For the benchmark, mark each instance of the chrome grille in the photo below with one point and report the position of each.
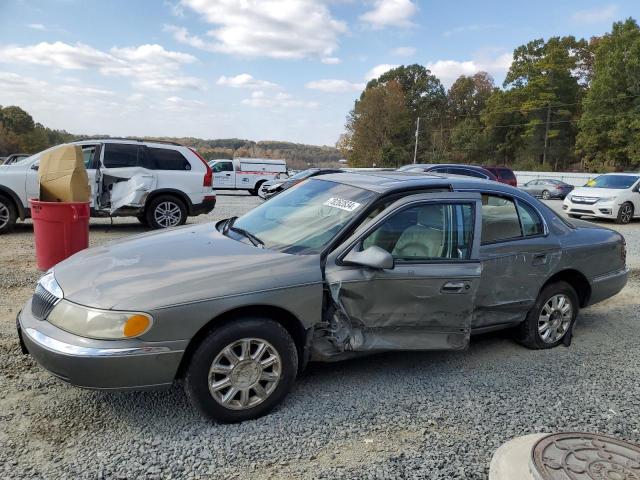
(584, 200)
(42, 303)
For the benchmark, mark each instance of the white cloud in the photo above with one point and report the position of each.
(244, 80)
(469, 28)
(449, 70)
(260, 99)
(403, 51)
(604, 14)
(331, 60)
(182, 35)
(149, 66)
(387, 13)
(378, 70)
(265, 28)
(36, 26)
(335, 86)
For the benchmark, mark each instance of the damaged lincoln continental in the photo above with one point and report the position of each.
(341, 265)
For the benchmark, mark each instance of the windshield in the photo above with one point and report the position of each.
(305, 218)
(619, 182)
(303, 174)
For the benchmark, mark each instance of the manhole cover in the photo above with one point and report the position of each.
(578, 456)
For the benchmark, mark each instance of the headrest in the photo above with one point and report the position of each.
(431, 216)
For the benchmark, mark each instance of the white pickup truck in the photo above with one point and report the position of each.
(246, 173)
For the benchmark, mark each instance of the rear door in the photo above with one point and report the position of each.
(426, 300)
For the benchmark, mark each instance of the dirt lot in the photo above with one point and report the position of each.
(413, 415)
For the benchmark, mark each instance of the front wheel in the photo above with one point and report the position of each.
(166, 211)
(241, 370)
(625, 213)
(551, 317)
(8, 215)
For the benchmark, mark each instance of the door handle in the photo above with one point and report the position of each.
(453, 287)
(227, 174)
(540, 259)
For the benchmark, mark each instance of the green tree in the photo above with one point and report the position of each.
(16, 120)
(378, 128)
(469, 94)
(609, 130)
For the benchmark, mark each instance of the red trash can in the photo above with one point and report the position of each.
(60, 230)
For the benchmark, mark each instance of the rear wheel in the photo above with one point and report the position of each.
(241, 370)
(551, 317)
(8, 214)
(166, 211)
(546, 195)
(625, 213)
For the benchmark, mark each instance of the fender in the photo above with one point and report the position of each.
(171, 191)
(22, 211)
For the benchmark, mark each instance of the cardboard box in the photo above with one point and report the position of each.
(63, 176)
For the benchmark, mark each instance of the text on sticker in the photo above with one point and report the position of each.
(342, 204)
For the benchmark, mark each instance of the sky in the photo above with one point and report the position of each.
(285, 70)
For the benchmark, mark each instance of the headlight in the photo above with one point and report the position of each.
(99, 324)
(605, 199)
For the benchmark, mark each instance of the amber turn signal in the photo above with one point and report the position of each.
(136, 325)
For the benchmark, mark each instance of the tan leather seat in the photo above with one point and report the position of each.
(426, 239)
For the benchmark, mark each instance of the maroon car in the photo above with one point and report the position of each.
(504, 175)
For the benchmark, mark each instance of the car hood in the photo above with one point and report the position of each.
(178, 266)
(595, 192)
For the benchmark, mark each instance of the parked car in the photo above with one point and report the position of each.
(13, 158)
(273, 187)
(342, 265)
(453, 169)
(547, 188)
(614, 196)
(411, 166)
(504, 175)
(246, 173)
(160, 183)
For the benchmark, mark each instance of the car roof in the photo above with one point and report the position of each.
(387, 182)
(626, 174)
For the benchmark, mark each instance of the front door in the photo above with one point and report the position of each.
(426, 300)
(223, 174)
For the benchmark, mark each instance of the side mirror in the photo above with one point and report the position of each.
(372, 257)
(35, 167)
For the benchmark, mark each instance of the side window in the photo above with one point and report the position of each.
(531, 221)
(499, 219)
(88, 154)
(121, 155)
(222, 167)
(431, 231)
(472, 173)
(166, 159)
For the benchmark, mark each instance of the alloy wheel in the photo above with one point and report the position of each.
(245, 373)
(4, 215)
(167, 214)
(546, 195)
(555, 318)
(626, 211)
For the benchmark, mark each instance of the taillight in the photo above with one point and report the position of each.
(208, 176)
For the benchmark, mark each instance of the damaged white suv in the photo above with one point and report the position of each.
(160, 183)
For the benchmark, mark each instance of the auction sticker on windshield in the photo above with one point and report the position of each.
(342, 204)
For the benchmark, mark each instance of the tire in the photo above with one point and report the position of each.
(255, 191)
(625, 213)
(546, 195)
(213, 349)
(165, 211)
(531, 332)
(8, 214)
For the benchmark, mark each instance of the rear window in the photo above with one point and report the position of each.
(121, 155)
(506, 174)
(166, 159)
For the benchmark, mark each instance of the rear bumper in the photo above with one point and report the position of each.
(208, 204)
(99, 364)
(608, 285)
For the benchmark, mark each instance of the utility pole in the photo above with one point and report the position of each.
(546, 135)
(415, 150)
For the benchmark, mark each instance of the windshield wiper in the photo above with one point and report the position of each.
(252, 238)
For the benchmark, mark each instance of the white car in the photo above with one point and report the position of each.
(614, 196)
(160, 183)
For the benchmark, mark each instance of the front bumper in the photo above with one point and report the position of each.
(601, 210)
(99, 364)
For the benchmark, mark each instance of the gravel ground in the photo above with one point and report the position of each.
(403, 415)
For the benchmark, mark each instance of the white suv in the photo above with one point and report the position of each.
(614, 196)
(160, 183)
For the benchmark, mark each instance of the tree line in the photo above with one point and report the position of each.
(565, 104)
